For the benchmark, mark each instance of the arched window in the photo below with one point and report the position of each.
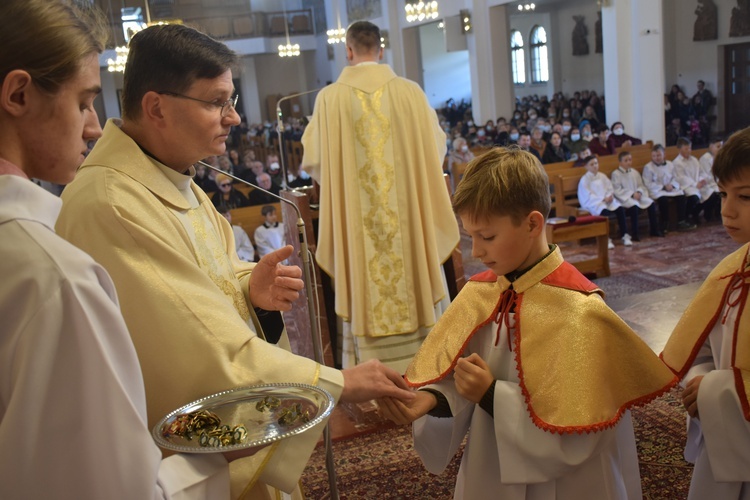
(517, 59)
(539, 65)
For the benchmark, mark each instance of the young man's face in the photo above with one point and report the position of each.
(59, 126)
(501, 245)
(715, 147)
(735, 207)
(685, 150)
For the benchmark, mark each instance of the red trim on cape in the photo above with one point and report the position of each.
(567, 276)
(740, 388)
(702, 339)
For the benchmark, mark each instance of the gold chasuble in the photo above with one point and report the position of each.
(184, 296)
(579, 365)
(732, 274)
(376, 148)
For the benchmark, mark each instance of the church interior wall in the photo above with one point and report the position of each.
(577, 72)
(446, 74)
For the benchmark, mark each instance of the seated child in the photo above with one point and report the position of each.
(659, 177)
(545, 392)
(633, 195)
(700, 189)
(710, 346)
(707, 161)
(270, 235)
(596, 194)
(242, 243)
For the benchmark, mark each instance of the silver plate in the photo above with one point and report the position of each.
(238, 406)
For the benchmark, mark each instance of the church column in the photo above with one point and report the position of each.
(492, 92)
(633, 51)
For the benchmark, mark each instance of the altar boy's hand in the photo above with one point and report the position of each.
(406, 413)
(473, 378)
(690, 396)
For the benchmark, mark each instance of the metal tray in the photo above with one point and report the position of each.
(238, 406)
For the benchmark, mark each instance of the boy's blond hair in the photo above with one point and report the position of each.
(503, 181)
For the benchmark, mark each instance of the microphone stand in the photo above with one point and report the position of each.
(280, 131)
(315, 333)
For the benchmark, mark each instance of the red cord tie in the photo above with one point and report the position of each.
(739, 281)
(506, 306)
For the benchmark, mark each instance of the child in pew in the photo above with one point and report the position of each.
(710, 346)
(545, 393)
(701, 192)
(707, 162)
(242, 243)
(269, 236)
(663, 187)
(596, 195)
(633, 196)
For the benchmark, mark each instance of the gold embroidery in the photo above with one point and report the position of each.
(215, 262)
(383, 249)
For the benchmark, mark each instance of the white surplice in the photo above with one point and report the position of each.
(509, 457)
(627, 182)
(72, 402)
(719, 441)
(593, 188)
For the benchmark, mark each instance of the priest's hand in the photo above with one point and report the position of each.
(373, 380)
(690, 396)
(406, 413)
(472, 377)
(274, 286)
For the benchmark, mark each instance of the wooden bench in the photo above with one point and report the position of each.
(585, 227)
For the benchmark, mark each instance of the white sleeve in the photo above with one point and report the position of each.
(75, 419)
(244, 246)
(585, 196)
(436, 440)
(682, 175)
(530, 455)
(725, 430)
(651, 181)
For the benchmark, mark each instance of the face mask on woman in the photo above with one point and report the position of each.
(514, 136)
(566, 128)
(464, 148)
(618, 131)
(575, 137)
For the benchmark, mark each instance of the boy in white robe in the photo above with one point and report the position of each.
(545, 393)
(702, 194)
(596, 194)
(706, 162)
(659, 177)
(632, 194)
(710, 347)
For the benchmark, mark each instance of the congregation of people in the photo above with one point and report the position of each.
(125, 298)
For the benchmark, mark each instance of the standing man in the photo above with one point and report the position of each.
(386, 224)
(191, 306)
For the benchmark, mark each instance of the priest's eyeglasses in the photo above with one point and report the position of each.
(225, 106)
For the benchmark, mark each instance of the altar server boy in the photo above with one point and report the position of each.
(529, 357)
(710, 346)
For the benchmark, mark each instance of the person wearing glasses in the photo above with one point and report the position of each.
(191, 305)
(227, 198)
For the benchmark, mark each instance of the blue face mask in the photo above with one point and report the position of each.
(575, 137)
(514, 137)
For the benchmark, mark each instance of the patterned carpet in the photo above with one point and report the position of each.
(384, 465)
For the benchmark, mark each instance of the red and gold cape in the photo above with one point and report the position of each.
(701, 316)
(579, 365)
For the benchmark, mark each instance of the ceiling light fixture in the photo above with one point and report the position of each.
(419, 11)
